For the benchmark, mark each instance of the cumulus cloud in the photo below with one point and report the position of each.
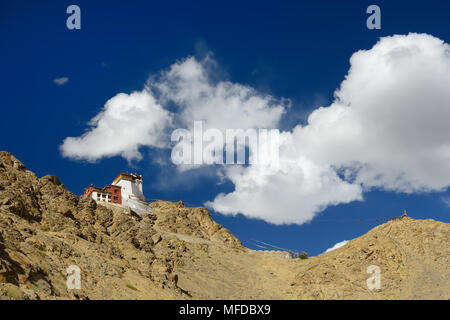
(222, 105)
(337, 245)
(387, 128)
(389, 123)
(195, 89)
(292, 193)
(126, 122)
(61, 81)
(129, 121)
(446, 201)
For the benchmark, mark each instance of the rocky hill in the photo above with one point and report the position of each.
(181, 253)
(413, 257)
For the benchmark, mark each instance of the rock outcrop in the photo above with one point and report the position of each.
(44, 228)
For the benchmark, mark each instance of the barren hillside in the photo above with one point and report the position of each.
(181, 253)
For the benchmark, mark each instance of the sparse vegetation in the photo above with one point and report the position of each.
(303, 255)
(62, 274)
(7, 245)
(131, 287)
(296, 255)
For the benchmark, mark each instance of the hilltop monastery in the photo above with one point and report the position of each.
(125, 190)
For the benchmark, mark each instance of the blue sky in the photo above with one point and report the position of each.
(297, 50)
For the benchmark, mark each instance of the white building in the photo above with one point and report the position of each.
(131, 191)
(99, 195)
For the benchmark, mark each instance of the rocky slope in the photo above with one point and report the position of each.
(44, 229)
(181, 253)
(413, 257)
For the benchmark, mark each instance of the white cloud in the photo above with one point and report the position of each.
(387, 128)
(390, 120)
(446, 201)
(337, 245)
(142, 118)
(126, 122)
(292, 194)
(61, 81)
(192, 86)
(219, 104)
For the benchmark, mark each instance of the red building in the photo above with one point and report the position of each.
(108, 193)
